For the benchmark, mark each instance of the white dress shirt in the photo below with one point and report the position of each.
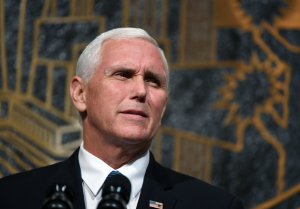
(94, 172)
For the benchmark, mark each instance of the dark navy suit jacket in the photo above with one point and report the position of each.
(28, 190)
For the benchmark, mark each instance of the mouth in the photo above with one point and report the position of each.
(135, 112)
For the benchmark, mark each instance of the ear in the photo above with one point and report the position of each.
(77, 92)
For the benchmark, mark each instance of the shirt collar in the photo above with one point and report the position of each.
(94, 171)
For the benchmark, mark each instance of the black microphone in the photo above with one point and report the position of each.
(115, 193)
(60, 197)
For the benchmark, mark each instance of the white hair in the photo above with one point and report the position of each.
(90, 58)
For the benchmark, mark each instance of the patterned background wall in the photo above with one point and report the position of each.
(234, 113)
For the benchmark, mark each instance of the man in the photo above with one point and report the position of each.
(121, 92)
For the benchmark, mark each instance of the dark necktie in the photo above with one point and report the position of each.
(111, 174)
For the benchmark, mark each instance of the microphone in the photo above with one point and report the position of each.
(115, 193)
(60, 197)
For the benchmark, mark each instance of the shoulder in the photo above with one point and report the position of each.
(183, 182)
(188, 191)
(37, 179)
(31, 187)
(36, 174)
(43, 173)
(191, 191)
(170, 178)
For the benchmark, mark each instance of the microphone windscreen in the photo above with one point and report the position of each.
(118, 184)
(60, 197)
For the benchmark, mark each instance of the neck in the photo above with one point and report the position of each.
(113, 154)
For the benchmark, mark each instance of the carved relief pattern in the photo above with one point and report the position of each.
(233, 115)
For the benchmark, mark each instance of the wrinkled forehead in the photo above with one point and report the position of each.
(159, 50)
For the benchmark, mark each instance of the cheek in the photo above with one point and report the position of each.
(113, 86)
(104, 91)
(96, 98)
(159, 102)
(107, 97)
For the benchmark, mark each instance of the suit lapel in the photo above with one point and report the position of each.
(157, 184)
(71, 175)
(156, 187)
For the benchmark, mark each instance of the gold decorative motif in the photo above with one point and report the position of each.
(278, 75)
(24, 131)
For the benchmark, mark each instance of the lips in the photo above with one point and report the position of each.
(135, 112)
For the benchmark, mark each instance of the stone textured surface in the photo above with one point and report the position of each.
(251, 174)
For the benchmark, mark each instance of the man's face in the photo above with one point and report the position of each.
(127, 95)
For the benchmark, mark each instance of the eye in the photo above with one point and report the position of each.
(123, 74)
(153, 80)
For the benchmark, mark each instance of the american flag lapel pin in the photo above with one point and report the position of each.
(154, 204)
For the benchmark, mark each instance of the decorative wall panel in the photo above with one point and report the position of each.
(234, 113)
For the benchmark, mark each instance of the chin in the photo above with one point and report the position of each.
(133, 138)
(136, 139)
(134, 135)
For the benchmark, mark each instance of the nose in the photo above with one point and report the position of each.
(139, 90)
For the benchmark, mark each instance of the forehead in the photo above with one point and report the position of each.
(134, 51)
(130, 44)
